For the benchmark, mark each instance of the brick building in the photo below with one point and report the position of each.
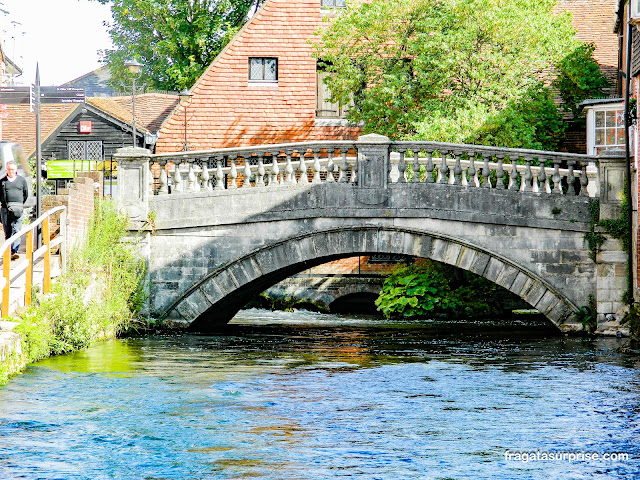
(264, 87)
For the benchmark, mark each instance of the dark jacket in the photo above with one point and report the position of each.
(13, 192)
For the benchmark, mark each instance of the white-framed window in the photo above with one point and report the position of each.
(605, 128)
(635, 10)
(263, 69)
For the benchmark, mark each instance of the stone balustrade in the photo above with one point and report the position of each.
(325, 162)
(265, 166)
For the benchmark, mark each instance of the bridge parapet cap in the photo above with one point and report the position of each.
(133, 152)
(498, 152)
(374, 138)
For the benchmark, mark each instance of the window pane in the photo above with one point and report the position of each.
(255, 69)
(620, 137)
(599, 119)
(610, 136)
(610, 118)
(619, 118)
(599, 137)
(270, 69)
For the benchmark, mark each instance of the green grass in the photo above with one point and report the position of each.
(99, 296)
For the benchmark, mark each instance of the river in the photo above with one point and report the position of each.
(310, 396)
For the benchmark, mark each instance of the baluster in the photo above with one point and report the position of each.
(302, 168)
(513, 175)
(542, 177)
(584, 182)
(457, 169)
(500, 173)
(354, 172)
(525, 181)
(246, 174)
(233, 175)
(472, 171)
(535, 186)
(416, 167)
(177, 178)
(444, 168)
(344, 167)
(571, 179)
(486, 182)
(330, 177)
(557, 178)
(192, 183)
(290, 180)
(205, 177)
(402, 167)
(316, 167)
(219, 174)
(430, 167)
(275, 171)
(464, 181)
(152, 180)
(261, 172)
(164, 181)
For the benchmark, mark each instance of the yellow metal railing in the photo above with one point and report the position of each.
(12, 274)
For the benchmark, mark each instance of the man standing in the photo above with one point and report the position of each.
(13, 193)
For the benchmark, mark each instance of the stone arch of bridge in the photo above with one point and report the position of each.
(213, 301)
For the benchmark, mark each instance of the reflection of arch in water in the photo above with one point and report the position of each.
(215, 299)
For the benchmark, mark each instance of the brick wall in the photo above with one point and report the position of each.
(226, 110)
(594, 21)
(79, 199)
(351, 266)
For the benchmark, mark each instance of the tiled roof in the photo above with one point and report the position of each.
(151, 108)
(227, 110)
(20, 125)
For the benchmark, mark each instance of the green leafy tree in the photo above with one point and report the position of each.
(450, 70)
(176, 40)
(426, 288)
(579, 78)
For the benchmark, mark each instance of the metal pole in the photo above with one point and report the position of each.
(186, 147)
(38, 152)
(133, 108)
(627, 126)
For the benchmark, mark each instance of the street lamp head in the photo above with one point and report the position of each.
(185, 95)
(134, 66)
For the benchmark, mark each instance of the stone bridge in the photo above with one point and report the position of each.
(224, 225)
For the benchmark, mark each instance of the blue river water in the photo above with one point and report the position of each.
(310, 396)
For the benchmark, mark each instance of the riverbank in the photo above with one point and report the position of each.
(98, 297)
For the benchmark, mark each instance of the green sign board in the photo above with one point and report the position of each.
(69, 168)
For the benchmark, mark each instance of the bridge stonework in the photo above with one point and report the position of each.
(228, 224)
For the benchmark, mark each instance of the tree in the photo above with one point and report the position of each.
(449, 70)
(176, 40)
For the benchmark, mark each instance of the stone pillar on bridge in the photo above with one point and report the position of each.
(134, 179)
(612, 170)
(134, 189)
(373, 169)
(611, 261)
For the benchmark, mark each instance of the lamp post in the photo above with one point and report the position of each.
(185, 95)
(134, 68)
